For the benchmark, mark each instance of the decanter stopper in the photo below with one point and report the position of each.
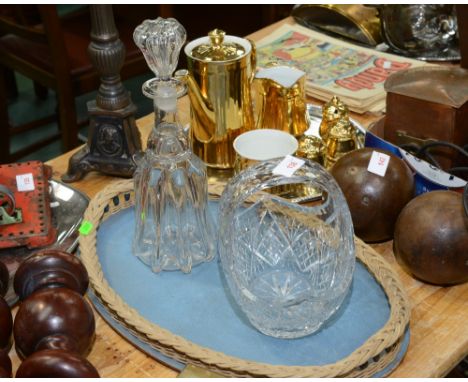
(160, 41)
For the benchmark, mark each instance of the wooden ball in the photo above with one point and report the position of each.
(374, 201)
(56, 364)
(431, 238)
(50, 268)
(61, 318)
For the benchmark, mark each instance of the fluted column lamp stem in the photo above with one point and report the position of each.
(113, 137)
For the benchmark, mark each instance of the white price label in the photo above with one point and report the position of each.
(25, 182)
(387, 65)
(288, 166)
(378, 163)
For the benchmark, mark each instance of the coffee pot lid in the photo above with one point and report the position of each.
(218, 49)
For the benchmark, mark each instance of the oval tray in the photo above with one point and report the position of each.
(191, 318)
(146, 347)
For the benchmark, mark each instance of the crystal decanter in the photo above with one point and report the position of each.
(173, 230)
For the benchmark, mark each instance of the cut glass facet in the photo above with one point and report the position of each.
(288, 266)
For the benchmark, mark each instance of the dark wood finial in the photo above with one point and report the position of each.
(5, 365)
(48, 269)
(4, 277)
(6, 325)
(61, 318)
(56, 364)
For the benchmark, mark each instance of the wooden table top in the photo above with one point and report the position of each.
(438, 328)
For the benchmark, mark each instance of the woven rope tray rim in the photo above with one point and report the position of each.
(375, 354)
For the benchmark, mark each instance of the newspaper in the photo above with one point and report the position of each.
(333, 67)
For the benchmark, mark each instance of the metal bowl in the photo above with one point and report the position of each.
(422, 31)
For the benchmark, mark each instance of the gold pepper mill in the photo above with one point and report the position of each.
(332, 112)
(311, 147)
(341, 140)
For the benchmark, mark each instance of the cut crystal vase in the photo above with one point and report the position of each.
(289, 266)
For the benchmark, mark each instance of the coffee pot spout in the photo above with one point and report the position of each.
(201, 109)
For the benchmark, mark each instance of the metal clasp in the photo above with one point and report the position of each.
(403, 138)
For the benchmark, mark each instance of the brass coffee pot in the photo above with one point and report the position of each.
(220, 72)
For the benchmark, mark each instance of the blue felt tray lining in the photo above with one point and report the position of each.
(198, 306)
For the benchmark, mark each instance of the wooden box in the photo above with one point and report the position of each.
(428, 103)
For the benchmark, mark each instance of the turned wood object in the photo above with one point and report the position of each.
(51, 284)
(50, 269)
(5, 365)
(4, 277)
(61, 318)
(374, 201)
(6, 325)
(56, 364)
(431, 238)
